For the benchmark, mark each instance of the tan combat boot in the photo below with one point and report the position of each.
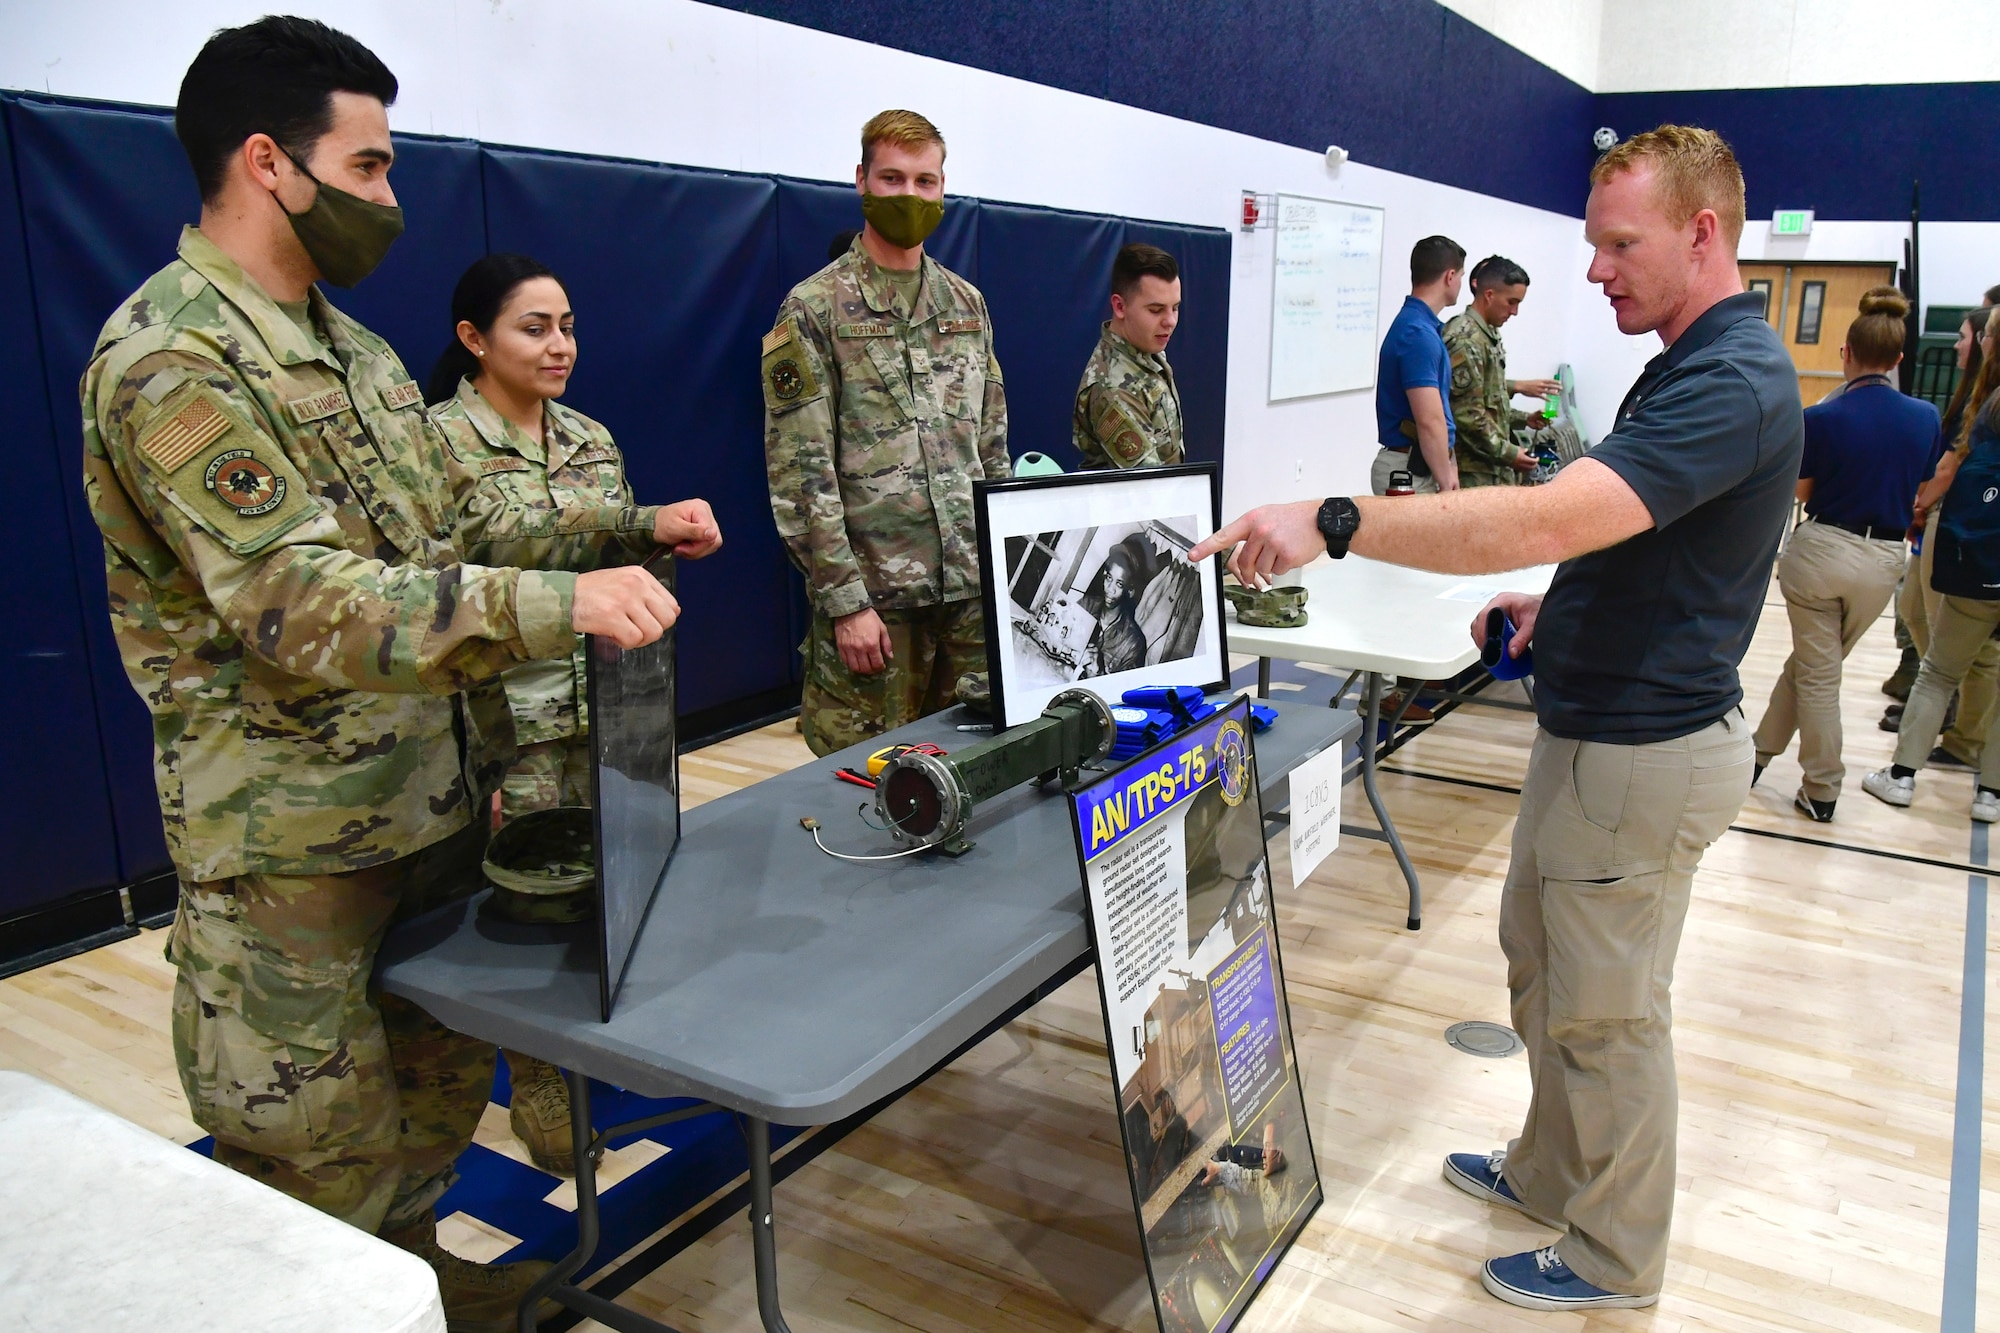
(478, 1298)
(540, 1113)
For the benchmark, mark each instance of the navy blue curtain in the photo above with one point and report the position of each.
(675, 274)
(55, 802)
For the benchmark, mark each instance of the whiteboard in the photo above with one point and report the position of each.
(1326, 294)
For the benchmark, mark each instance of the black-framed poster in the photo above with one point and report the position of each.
(1211, 1109)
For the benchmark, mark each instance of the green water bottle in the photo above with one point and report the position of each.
(1551, 406)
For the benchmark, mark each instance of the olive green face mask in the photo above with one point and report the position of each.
(903, 220)
(345, 235)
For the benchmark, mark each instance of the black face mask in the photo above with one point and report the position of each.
(344, 235)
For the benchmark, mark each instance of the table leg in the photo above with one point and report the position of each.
(1372, 718)
(586, 1203)
(763, 1242)
(1263, 678)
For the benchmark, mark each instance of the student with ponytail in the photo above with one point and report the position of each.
(1867, 451)
(539, 486)
(1963, 550)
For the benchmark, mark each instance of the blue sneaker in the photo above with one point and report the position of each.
(1478, 1174)
(1540, 1280)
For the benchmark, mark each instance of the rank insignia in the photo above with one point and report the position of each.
(244, 483)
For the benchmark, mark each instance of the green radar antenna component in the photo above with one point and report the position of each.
(926, 799)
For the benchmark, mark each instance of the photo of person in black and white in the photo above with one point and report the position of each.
(1097, 601)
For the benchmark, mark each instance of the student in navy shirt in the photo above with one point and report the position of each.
(1413, 376)
(1867, 451)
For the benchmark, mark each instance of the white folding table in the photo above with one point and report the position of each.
(1383, 620)
(111, 1228)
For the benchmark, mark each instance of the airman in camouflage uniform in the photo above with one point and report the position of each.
(880, 410)
(1128, 409)
(560, 504)
(290, 604)
(1482, 403)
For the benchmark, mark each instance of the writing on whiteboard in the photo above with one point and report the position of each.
(1326, 296)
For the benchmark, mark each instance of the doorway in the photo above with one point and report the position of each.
(1811, 305)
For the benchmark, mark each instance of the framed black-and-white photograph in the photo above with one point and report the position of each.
(1087, 582)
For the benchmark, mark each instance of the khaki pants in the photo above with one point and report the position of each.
(1397, 460)
(931, 647)
(1604, 856)
(1835, 587)
(1960, 633)
(1979, 691)
(352, 1101)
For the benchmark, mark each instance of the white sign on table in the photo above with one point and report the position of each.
(1315, 811)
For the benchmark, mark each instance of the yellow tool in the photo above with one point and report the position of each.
(880, 759)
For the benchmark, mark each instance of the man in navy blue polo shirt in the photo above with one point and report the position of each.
(1666, 533)
(1413, 375)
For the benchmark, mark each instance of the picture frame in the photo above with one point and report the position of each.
(635, 787)
(1197, 1022)
(1085, 584)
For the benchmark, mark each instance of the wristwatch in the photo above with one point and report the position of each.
(1339, 520)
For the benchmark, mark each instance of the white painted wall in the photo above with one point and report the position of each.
(674, 81)
(1644, 46)
(1565, 35)
(1666, 45)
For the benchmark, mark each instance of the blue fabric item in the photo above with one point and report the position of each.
(1640, 642)
(1178, 699)
(1866, 453)
(1493, 655)
(55, 803)
(1262, 716)
(1966, 561)
(1412, 357)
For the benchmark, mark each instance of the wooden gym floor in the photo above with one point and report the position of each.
(1818, 998)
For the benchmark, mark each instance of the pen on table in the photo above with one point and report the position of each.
(975, 726)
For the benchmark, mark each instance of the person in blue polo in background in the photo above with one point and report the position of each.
(1413, 375)
(1867, 451)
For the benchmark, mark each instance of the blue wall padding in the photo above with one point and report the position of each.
(1200, 347)
(408, 300)
(668, 329)
(104, 191)
(1046, 315)
(675, 274)
(1406, 85)
(1847, 153)
(55, 803)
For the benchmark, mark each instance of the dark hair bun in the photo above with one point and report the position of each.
(1885, 301)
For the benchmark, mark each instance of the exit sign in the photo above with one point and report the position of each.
(1792, 222)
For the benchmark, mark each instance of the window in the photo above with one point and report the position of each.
(1812, 300)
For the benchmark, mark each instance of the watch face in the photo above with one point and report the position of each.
(1338, 519)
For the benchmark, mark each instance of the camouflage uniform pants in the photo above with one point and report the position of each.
(355, 1102)
(547, 774)
(932, 646)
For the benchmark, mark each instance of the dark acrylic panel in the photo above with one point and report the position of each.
(635, 787)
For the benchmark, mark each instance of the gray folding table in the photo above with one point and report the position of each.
(777, 982)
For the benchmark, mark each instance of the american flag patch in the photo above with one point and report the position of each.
(184, 434)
